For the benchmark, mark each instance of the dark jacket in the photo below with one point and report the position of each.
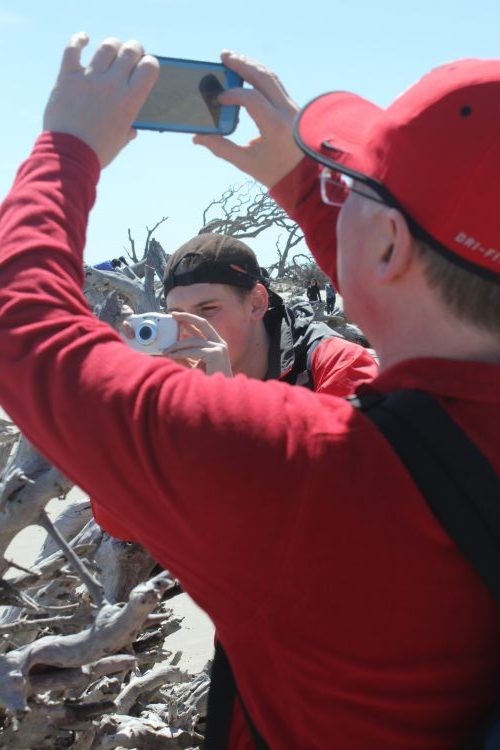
(313, 293)
(294, 336)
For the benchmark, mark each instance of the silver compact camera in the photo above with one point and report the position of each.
(152, 332)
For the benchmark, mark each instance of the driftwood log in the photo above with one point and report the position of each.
(84, 658)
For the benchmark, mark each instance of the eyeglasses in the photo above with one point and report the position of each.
(335, 188)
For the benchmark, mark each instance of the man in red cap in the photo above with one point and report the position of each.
(350, 618)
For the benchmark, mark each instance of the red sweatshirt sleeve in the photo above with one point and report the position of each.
(299, 195)
(197, 467)
(340, 366)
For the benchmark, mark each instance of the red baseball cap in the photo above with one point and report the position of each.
(434, 154)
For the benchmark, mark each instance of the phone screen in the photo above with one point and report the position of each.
(184, 98)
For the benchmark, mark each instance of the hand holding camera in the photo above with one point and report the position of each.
(188, 339)
(150, 333)
(199, 342)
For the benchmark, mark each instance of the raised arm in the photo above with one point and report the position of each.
(168, 451)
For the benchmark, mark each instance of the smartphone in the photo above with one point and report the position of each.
(150, 333)
(185, 98)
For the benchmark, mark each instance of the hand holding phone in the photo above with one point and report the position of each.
(185, 98)
(273, 153)
(96, 102)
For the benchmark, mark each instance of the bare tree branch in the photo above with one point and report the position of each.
(247, 210)
(150, 234)
(93, 586)
(131, 254)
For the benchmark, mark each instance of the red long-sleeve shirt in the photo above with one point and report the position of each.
(349, 617)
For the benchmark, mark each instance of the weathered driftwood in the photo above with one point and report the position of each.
(105, 289)
(57, 638)
(122, 565)
(69, 664)
(64, 623)
(84, 660)
(155, 262)
(9, 435)
(93, 586)
(49, 727)
(115, 627)
(78, 678)
(144, 733)
(71, 520)
(185, 703)
(29, 483)
(98, 284)
(158, 676)
(110, 309)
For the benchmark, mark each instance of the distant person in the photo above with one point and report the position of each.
(111, 265)
(330, 298)
(313, 291)
(105, 265)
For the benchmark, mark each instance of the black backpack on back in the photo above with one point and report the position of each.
(462, 490)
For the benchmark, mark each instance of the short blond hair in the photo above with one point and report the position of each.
(470, 296)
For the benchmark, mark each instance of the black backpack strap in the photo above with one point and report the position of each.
(458, 482)
(221, 697)
(460, 486)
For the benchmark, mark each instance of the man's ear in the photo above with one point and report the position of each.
(260, 301)
(397, 247)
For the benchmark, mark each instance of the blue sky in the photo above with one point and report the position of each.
(376, 48)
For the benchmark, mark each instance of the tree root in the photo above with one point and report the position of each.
(115, 627)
